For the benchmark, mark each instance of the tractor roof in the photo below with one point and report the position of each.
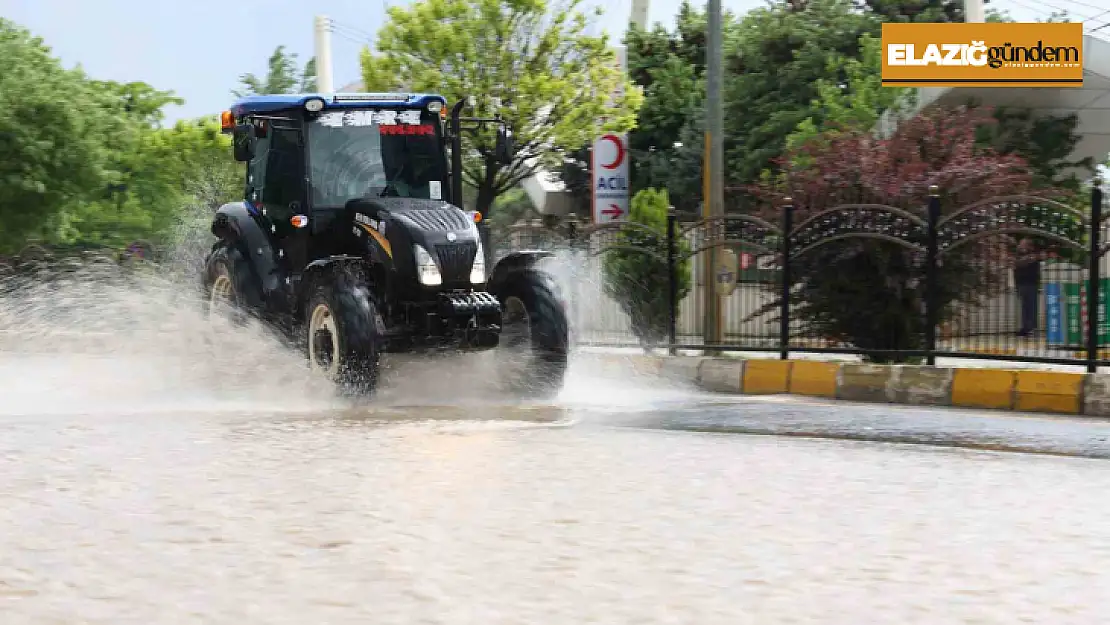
(277, 102)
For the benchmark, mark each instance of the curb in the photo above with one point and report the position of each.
(1017, 390)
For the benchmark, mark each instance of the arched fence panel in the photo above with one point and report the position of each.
(1011, 277)
(851, 281)
(731, 261)
(599, 267)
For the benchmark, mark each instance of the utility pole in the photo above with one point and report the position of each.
(713, 182)
(974, 12)
(322, 39)
(639, 15)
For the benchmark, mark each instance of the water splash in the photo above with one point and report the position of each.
(102, 339)
(96, 338)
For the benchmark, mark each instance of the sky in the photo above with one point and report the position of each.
(199, 48)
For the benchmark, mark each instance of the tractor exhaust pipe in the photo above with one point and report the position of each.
(456, 154)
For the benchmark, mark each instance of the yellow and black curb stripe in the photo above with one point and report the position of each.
(1001, 389)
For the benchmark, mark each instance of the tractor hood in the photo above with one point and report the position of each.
(445, 231)
(427, 221)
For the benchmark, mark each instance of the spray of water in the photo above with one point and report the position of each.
(93, 337)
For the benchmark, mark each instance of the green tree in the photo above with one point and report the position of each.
(776, 59)
(574, 172)
(527, 60)
(56, 127)
(190, 163)
(793, 69)
(283, 75)
(129, 114)
(170, 172)
(509, 207)
(87, 162)
(666, 146)
(915, 11)
(635, 268)
(669, 67)
(1047, 142)
(854, 98)
(924, 11)
(782, 57)
(137, 101)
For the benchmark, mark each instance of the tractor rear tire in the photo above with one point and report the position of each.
(534, 321)
(344, 336)
(228, 287)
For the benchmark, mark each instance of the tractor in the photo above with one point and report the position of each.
(352, 239)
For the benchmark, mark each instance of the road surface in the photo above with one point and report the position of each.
(176, 473)
(620, 502)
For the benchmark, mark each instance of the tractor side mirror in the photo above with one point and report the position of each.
(503, 151)
(244, 140)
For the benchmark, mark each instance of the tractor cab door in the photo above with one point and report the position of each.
(278, 189)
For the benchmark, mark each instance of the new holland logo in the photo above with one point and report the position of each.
(373, 223)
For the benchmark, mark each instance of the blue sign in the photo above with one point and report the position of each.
(1054, 313)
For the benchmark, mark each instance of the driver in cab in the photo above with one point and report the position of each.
(411, 181)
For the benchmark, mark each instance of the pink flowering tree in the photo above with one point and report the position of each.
(859, 235)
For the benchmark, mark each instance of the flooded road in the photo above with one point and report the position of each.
(486, 512)
(168, 474)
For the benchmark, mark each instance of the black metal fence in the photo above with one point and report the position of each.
(1003, 278)
(42, 260)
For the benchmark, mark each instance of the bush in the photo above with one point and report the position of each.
(635, 268)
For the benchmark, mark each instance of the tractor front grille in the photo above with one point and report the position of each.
(455, 260)
(445, 219)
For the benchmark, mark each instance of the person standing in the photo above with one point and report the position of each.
(1027, 279)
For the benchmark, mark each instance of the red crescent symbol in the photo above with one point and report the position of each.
(617, 143)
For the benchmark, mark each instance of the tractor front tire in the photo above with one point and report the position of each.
(534, 333)
(344, 336)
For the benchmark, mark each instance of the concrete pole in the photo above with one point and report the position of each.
(322, 39)
(974, 12)
(640, 14)
(713, 205)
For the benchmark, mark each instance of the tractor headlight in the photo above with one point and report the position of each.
(478, 269)
(426, 269)
(314, 105)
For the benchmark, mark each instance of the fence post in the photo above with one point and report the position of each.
(672, 283)
(572, 231)
(571, 221)
(931, 305)
(784, 286)
(1094, 270)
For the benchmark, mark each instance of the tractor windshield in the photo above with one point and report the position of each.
(359, 153)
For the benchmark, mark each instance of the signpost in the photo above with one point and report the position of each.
(609, 173)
